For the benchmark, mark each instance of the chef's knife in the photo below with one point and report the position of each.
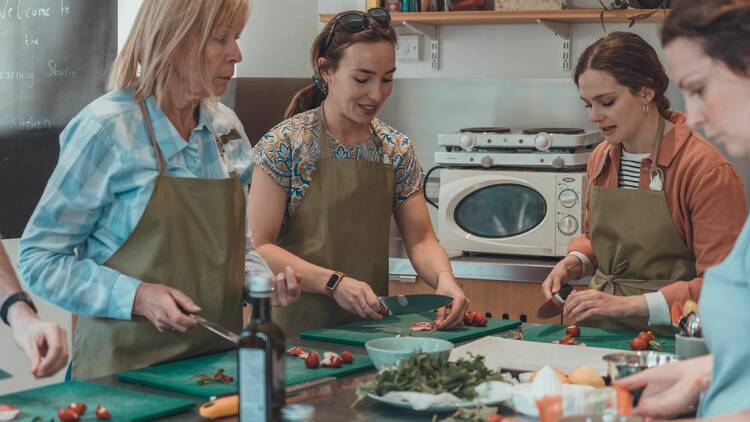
(554, 306)
(216, 329)
(411, 304)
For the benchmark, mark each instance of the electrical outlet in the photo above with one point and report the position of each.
(407, 49)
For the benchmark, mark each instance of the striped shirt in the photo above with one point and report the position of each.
(99, 190)
(630, 170)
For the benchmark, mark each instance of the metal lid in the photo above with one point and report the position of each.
(485, 130)
(298, 412)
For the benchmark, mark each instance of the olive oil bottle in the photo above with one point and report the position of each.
(261, 359)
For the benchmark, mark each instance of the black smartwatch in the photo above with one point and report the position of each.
(12, 299)
(333, 282)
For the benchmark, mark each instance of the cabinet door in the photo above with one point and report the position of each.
(485, 295)
(526, 298)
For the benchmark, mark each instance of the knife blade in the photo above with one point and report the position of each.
(554, 306)
(216, 329)
(410, 304)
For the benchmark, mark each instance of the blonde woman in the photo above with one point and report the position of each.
(142, 221)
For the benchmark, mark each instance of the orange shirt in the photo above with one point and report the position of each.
(705, 197)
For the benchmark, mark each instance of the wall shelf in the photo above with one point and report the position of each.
(497, 17)
(557, 21)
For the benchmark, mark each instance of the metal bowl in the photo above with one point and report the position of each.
(621, 365)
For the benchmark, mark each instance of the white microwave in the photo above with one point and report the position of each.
(518, 212)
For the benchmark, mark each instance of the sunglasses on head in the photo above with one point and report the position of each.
(356, 21)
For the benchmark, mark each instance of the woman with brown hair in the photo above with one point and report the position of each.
(662, 204)
(142, 222)
(329, 177)
(707, 46)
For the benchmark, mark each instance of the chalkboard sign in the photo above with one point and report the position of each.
(54, 59)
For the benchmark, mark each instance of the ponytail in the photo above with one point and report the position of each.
(307, 98)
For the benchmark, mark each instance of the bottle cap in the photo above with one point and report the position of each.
(260, 286)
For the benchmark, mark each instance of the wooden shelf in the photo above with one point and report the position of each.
(496, 17)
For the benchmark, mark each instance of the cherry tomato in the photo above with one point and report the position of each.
(336, 362)
(312, 360)
(573, 330)
(495, 418)
(78, 407)
(638, 343)
(102, 413)
(68, 415)
(567, 340)
(480, 320)
(468, 318)
(647, 335)
(347, 357)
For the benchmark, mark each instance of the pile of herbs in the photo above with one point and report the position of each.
(425, 374)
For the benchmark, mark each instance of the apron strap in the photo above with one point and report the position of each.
(655, 173)
(609, 280)
(152, 137)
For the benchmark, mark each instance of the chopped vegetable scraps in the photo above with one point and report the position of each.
(423, 326)
(8, 412)
(218, 376)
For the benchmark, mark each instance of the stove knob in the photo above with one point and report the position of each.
(568, 198)
(467, 141)
(543, 141)
(487, 161)
(558, 163)
(568, 225)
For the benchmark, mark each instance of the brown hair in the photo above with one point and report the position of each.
(160, 34)
(631, 61)
(721, 27)
(312, 96)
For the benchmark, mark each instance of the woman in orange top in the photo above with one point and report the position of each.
(662, 204)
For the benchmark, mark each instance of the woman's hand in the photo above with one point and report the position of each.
(165, 307)
(45, 343)
(568, 268)
(670, 390)
(358, 298)
(286, 288)
(582, 304)
(453, 314)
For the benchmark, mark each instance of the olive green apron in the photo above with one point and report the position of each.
(636, 245)
(342, 224)
(190, 237)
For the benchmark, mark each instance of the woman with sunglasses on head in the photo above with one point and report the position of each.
(662, 203)
(329, 177)
(707, 46)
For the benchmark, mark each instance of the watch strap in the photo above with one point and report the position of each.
(11, 300)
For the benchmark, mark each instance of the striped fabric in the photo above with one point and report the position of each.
(97, 193)
(630, 170)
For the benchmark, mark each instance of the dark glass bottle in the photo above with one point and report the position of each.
(262, 354)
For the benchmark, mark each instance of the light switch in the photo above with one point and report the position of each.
(407, 49)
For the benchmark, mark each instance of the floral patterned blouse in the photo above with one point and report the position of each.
(289, 153)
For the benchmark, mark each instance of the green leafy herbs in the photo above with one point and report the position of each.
(425, 374)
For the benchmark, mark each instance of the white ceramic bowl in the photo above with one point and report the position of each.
(389, 351)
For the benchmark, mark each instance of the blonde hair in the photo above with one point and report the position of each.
(161, 32)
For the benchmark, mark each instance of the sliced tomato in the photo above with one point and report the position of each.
(102, 413)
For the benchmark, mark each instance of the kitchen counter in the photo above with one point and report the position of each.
(332, 401)
(482, 267)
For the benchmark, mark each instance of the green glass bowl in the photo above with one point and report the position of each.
(388, 351)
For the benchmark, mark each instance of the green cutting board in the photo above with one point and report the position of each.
(593, 337)
(124, 405)
(360, 332)
(179, 376)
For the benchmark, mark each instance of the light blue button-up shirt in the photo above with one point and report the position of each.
(99, 190)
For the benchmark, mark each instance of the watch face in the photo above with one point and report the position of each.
(333, 281)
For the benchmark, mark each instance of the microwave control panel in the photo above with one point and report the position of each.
(569, 208)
